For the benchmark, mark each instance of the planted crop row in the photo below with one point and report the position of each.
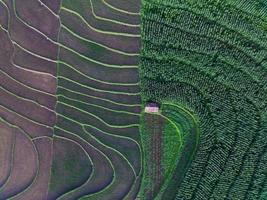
(217, 50)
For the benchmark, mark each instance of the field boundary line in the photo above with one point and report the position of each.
(92, 146)
(119, 10)
(100, 119)
(36, 155)
(94, 79)
(110, 20)
(27, 86)
(97, 30)
(104, 132)
(24, 117)
(103, 99)
(99, 44)
(26, 99)
(95, 105)
(98, 90)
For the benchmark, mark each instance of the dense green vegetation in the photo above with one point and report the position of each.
(70, 103)
(170, 139)
(210, 58)
(171, 146)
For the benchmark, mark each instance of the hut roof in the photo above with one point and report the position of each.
(152, 107)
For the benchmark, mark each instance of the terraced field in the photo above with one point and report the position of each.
(170, 140)
(70, 100)
(209, 58)
(76, 78)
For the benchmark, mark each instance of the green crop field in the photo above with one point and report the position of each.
(205, 64)
(133, 99)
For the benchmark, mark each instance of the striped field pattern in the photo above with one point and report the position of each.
(210, 58)
(70, 100)
(76, 75)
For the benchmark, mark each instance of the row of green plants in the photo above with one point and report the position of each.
(211, 62)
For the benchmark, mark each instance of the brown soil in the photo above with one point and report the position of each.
(7, 139)
(120, 98)
(154, 127)
(39, 189)
(3, 16)
(95, 51)
(38, 16)
(24, 167)
(33, 129)
(71, 167)
(77, 77)
(28, 61)
(25, 92)
(52, 4)
(26, 108)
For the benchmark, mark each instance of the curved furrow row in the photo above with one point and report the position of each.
(33, 128)
(249, 67)
(99, 101)
(18, 73)
(96, 85)
(7, 149)
(99, 27)
(118, 42)
(95, 52)
(198, 81)
(221, 53)
(85, 104)
(11, 84)
(75, 129)
(87, 58)
(44, 149)
(4, 17)
(96, 44)
(87, 10)
(30, 108)
(53, 6)
(69, 57)
(89, 118)
(28, 87)
(71, 166)
(103, 172)
(130, 8)
(98, 97)
(102, 11)
(20, 177)
(97, 71)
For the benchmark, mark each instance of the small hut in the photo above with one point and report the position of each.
(152, 107)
